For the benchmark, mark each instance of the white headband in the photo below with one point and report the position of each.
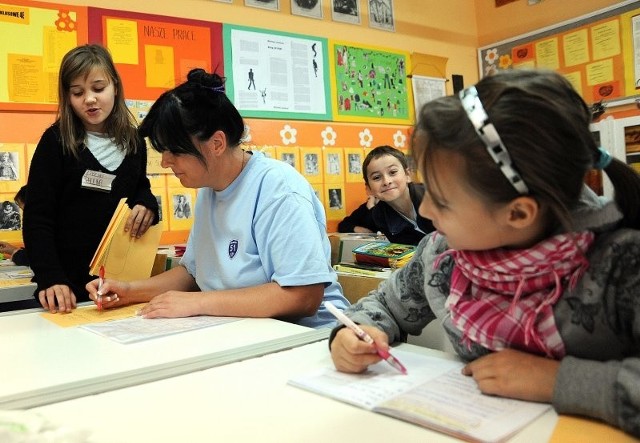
(489, 135)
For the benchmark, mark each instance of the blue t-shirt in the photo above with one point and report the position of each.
(266, 226)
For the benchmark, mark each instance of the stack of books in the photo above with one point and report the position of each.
(383, 254)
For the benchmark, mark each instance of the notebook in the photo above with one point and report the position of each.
(434, 394)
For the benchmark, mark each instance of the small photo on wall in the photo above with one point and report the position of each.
(291, 156)
(354, 158)
(273, 5)
(335, 201)
(381, 14)
(12, 168)
(312, 167)
(307, 8)
(10, 215)
(333, 165)
(346, 11)
(181, 203)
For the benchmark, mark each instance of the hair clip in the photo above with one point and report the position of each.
(215, 88)
(490, 137)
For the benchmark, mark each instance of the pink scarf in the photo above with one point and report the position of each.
(504, 298)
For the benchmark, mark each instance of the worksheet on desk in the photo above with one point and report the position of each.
(136, 329)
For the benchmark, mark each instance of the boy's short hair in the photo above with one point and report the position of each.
(381, 151)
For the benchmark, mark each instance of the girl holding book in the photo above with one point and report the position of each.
(258, 246)
(533, 277)
(88, 160)
(392, 206)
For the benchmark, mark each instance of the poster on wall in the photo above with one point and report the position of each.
(275, 74)
(426, 89)
(370, 84)
(33, 39)
(155, 53)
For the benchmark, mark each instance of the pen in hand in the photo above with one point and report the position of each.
(100, 282)
(362, 335)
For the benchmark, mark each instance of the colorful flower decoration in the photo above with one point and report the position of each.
(329, 136)
(491, 56)
(505, 61)
(398, 139)
(366, 138)
(246, 135)
(288, 135)
(65, 22)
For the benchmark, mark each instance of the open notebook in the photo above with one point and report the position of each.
(434, 394)
(124, 257)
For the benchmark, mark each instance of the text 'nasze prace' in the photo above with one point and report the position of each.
(161, 32)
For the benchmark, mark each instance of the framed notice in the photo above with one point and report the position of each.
(277, 75)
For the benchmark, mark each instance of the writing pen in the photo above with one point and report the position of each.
(100, 282)
(385, 355)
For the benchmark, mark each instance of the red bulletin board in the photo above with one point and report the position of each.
(154, 53)
(33, 39)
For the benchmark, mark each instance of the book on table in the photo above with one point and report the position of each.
(434, 394)
(124, 257)
(362, 269)
(384, 254)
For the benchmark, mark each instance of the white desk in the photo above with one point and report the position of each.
(44, 363)
(247, 401)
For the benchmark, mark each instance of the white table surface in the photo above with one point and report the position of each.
(43, 362)
(247, 401)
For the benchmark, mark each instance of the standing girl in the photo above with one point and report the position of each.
(533, 277)
(88, 160)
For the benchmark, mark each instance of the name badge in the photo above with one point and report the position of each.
(100, 181)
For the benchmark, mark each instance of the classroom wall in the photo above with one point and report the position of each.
(452, 30)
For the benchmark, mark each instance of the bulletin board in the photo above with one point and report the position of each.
(33, 39)
(370, 84)
(277, 75)
(155, 53)
(594, 52)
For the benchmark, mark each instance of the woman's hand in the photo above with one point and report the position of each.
(112, 294)
(7, 248)
(139, 221)
(515, 374)
(350, 354)
(57, 298)
(172, 304)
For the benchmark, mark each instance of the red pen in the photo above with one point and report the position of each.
(99, 299)
(385, 355)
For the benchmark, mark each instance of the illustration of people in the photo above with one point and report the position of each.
(8, 169)
(311, 164)
(289, 159)
(182, 206)
(263, 94)
(335, 199)
(334, 164)
(159, 200)
(251, 81)
(355, 165)
(315, 67)
(10, 217)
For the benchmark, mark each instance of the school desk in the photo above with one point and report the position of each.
(44, 363)
(247, 401)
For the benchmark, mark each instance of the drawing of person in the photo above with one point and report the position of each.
(311, 164)
(335, 199)
(10, 216)
(315, 67)
(334, 164)
(263, 93)
(355, 165)
(8, 169)
(251, 81)
(182, 207)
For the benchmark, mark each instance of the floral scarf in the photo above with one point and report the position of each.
(504, 298)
